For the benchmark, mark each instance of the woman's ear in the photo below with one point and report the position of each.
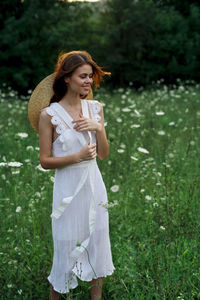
(66, 79)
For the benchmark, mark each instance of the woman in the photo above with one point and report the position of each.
(73, 129)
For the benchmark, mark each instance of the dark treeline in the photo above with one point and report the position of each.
(138, 41)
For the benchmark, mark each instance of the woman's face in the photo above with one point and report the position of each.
(81, 80)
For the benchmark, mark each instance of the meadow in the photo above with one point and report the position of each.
(152, 177)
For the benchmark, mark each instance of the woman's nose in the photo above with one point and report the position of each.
(89, 79)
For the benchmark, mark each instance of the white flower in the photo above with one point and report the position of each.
(114, 188)
(135, 126)
(162, 228)
(29, 148)
(14, 164)
(3, 164)
(142, 190)
(123, 146)
(120, 150)
(119, 120)
(160, 113)
(18, 209)
(126, 109)
(192, 143)
(142, 150)
(155, 204)
(161, 132)
(39, 167)
(147, 197)
(137, 112)
(52, 178)
(171, 123)
(15, 172)
(22, 134)
(108, 205)
(9, 285)
(159, 174)
(19, 292)
(123, 96)
(134, 158)
(171, 155)
(37, 148)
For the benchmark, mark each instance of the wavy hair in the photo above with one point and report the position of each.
(67, 63)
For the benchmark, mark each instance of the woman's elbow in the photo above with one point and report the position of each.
(103, 155)
(44, 164)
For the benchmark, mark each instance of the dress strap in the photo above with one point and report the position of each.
(86, 114)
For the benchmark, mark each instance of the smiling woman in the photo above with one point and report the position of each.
(72, 128)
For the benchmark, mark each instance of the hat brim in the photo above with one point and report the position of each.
(41, 97)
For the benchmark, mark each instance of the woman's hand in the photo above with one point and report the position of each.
(88, 152)
(86, 124)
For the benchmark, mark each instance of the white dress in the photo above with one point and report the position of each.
(80, 225)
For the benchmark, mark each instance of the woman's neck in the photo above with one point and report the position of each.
(71, 100)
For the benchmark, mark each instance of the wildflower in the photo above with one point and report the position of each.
(120, 150)
(137, 112)
(161, 132)
(108, 205)
(162, 228)
(39, 167)
(135, 126)
(155, 204)
(22, 134)
(114, 188)
(37, 148)
(29, 148)
(160, 113)
(15, 172)
(123, 96)
(171, 123)
(19, 292)
(142, 190)
(159, 174)
(142, 150)
(119, 120)
(9, 285)
(134, 158)
(14, 164)
(52, 179)
(147, 197)
(18, 209)
(123, 146)
(126, 109)
(3, 164)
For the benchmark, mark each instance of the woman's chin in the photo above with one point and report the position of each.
(84, 95)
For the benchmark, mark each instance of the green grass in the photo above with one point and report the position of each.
(155, 216)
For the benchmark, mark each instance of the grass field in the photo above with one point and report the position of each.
(152, 177)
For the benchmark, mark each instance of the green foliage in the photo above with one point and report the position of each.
(154, 213)
(138, 41)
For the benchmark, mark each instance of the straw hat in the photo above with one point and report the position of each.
(40, 98)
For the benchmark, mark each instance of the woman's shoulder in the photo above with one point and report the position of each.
(95, 108)
(95, 105)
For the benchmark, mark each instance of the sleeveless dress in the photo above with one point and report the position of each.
(80, 225)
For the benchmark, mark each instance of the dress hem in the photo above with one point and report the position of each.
(86, 280)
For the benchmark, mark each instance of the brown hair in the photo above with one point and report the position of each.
(67, 63)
